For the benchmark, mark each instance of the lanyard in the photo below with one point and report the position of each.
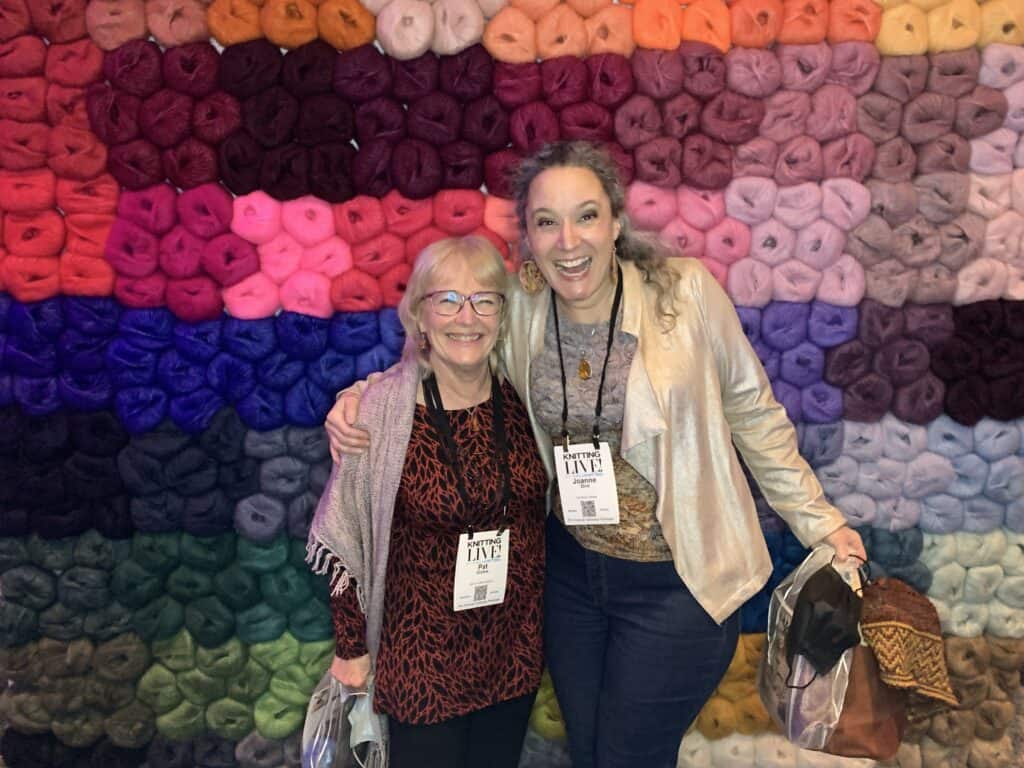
(443, 427)
(596, 435)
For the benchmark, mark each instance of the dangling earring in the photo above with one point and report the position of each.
(531, 278)
(424, 343)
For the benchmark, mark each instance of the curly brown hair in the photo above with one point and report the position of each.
(648, 253)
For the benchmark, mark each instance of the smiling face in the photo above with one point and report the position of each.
(571, 233)
(459, 344)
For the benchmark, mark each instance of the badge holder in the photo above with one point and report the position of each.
(586, 472)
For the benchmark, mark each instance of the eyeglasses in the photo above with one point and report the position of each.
(449, 303)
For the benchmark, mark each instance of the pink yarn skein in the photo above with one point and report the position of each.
(332, 257)
(700, 208)
(308, 293)
(308, 219)
(280, 257)
(253, 298)
(650, 207)
(256, 217)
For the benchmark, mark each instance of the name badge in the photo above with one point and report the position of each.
(481, 572)
(586, 484)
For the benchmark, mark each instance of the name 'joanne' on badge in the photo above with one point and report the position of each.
(586, 484)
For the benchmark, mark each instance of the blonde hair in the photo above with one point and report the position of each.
(648, 253)
(485, 263)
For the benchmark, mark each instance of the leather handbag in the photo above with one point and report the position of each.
(874, 714)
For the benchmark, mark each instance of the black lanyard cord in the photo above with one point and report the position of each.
(446, 437)
(596, 435)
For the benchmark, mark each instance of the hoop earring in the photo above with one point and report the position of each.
(531, 278)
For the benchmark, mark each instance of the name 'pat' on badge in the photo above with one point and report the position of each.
(586, 484)
(481, 571)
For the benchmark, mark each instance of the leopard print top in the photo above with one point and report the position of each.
(435, 664)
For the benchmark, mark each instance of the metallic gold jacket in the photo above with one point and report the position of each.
(693, 393)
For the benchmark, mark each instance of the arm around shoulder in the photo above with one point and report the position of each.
(341, 424)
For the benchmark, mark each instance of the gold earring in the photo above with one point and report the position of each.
(531, 278)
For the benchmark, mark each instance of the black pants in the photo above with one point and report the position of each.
(488, 738)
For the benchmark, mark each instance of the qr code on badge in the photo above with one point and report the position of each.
(479, 593)
(588, 508)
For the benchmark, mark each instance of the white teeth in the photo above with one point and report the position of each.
(573, 264)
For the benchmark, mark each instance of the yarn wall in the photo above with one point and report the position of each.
(209, 211)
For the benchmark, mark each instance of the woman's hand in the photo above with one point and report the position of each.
(847, 543)
(341, 432)
(352, 673)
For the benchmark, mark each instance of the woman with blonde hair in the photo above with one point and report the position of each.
(434, 538)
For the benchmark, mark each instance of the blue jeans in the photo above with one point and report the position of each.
(632, 654)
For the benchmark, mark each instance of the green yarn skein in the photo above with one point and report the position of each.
(286, 588)
(200, 688)
(315, 658)
(107, 622)
(84, 589)
(261, 624)
(237, 587)
(225, 660)
(158, 689)
(60, 622)
(177, 653)
(229, 719)
(209, 621)
(159, 619)
(311, 622)
(209, 554)
(53, 555)
(262, 558)
(30, 586)
(251, 683)
(276, 654)
(158, 553)
(186, 721)
(187, 584)
(94, 550)
(13, 552)
(275, 719)
(292, 685)
(134, 586)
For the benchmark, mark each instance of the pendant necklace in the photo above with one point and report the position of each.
(471, 421)
(584, 370)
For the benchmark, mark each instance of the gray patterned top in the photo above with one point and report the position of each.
(638, 535)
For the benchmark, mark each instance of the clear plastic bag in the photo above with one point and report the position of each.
(341, 730)
(804, 704)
